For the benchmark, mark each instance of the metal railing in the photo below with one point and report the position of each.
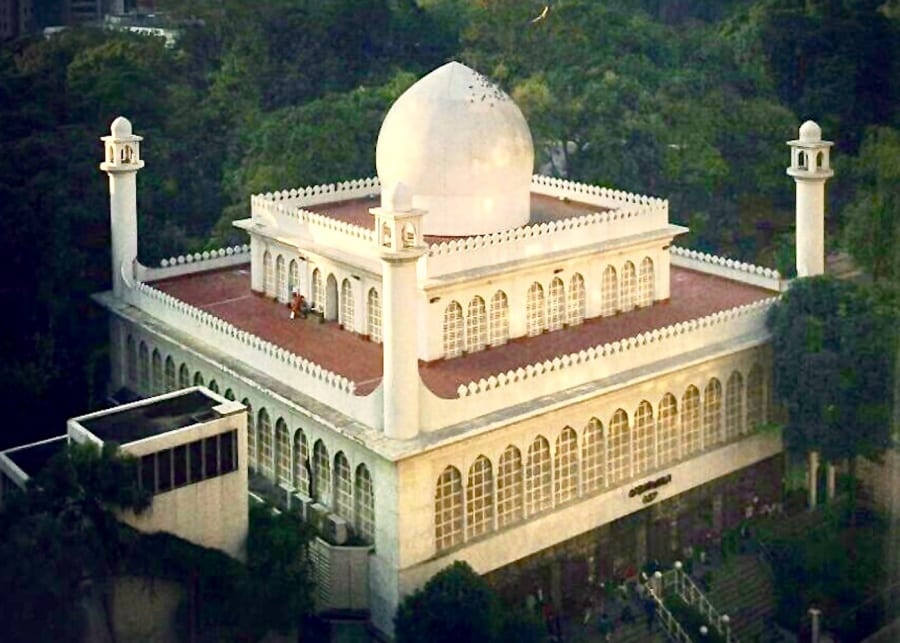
(684, 587)
(670, 624)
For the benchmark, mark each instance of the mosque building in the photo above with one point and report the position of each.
(517, 371)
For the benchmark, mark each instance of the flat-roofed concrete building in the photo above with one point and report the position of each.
(193, 457)
(517, 371)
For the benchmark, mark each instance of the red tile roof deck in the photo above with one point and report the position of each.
(227, 295)
(543, 209)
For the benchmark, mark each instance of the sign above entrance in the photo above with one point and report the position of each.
(650, 485)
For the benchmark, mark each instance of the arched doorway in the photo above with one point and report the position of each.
(331, 298)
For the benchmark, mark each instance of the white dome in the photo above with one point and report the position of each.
(810, 132)
(121, 128)
(463, 149)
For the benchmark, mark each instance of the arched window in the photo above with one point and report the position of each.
(499, 321)
(534, 310)
(565, 465)
(373, 316)
(690, 421)
(283, 453)
(171, 383)
(476, 325)
(293, 276)
(281, 291)
(347, 305)
(318, 291)
(264, 429)
(712, 413)
(343, 488)
(131, 361)
(448, 509)
(509, 487)
(734, 406)
(618, 449)
(156, 370)
(268, 274)
(321, 474)
(364, 505)
(575, 305)
(479, 498)
(667, 430)
(453, 330)
(144, 368)
(755, 403)
(213, 386)
(629, 286)
(646, 283)
(301, 463)
(556, 304)
(593, 456)
(198, 379)
(609, 292)
(251, 435)
(538, 477)
(644, 438)
(184, 376)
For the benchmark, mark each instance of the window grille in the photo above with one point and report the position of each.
(643, 455)
(556, 304)
(618, 444)
(609, 292)
(301, 463)
(364, 505)
(453, 330)
(499, 321)
(576, 302)
(347, 310)
(534, 310)
(712, 414)
(538, 477)
(593, 454)
(476, 326)
(646, 283)
(509, 487)
(343, 488)
(667, 427)
(322, 474)
(448, 509)
(565, 465)
(734, 406)
(479, 498)
(629, 284)
(373, 317)
(283, 452)
(690, 421)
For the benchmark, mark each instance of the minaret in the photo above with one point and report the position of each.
(123, 160)
(398, 233)
(810, 168)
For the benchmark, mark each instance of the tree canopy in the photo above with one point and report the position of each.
(835, 346)
(458, 605)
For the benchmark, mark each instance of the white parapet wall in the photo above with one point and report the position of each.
(624, 215)
(727, 268)
(305, 376)
(195, 262)
(502, 390)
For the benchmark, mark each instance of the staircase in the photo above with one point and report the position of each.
(742, 587)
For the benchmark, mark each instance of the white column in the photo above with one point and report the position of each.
(810, 229)
(813, 479)
(399, 325)
(123, 224)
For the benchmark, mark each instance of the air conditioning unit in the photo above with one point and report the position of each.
(317, 513)
(302, 503)
(334, 528)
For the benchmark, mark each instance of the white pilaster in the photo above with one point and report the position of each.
(122, 164)
(400, 242)
(810, 168)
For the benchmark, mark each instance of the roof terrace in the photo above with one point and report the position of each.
(160, 415)
(226, 295)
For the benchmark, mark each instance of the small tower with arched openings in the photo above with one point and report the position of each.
(400, 240)
(122, 154)
(810, 167)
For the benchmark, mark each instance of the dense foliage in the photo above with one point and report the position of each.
(835, 349)
(458, 605)
(688, 100)
(61, 538)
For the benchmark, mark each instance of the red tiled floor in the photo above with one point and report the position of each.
(227, 295)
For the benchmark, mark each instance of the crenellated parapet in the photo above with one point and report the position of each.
(740, 325)
(726, 267)
(297, 372)
(585, 193)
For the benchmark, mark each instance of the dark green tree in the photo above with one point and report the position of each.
(835, 346)
(458, 605)
(872, 218)
(60, 538)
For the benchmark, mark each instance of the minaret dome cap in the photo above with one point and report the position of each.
(810, 132)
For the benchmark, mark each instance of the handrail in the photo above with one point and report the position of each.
(673, 628)
(690, 593)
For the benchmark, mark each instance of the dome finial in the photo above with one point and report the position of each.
(121, 128)
(810, 132)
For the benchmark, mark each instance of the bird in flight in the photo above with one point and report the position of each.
(542, 15)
